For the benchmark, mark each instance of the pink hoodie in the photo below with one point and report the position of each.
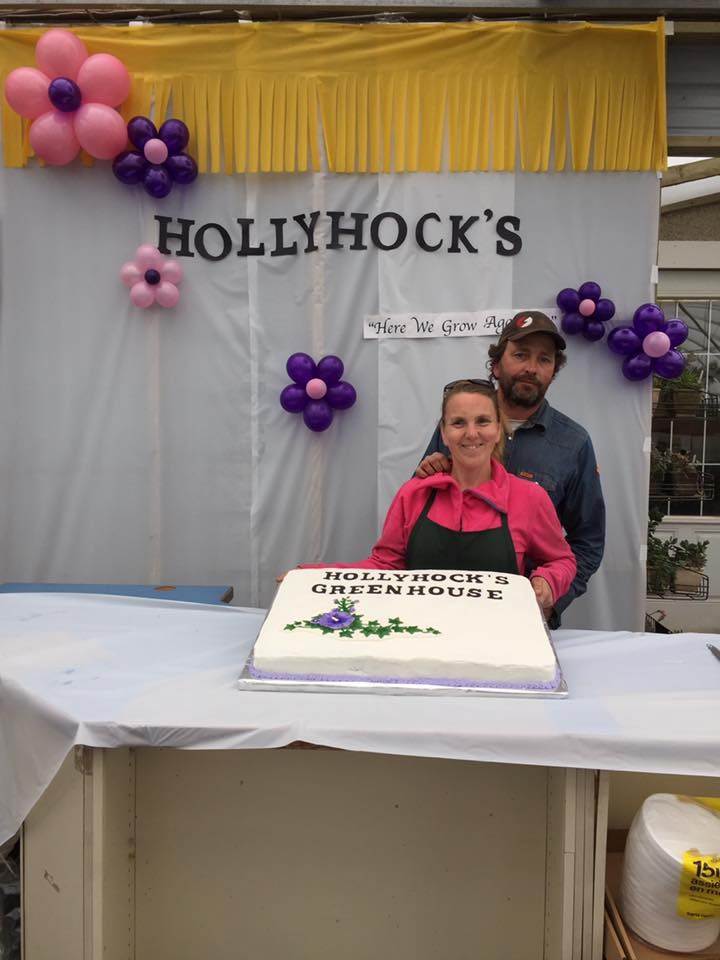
(533, 522)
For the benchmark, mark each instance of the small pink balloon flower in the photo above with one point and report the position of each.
(152, 278)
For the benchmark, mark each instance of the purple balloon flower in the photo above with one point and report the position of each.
(158, 162)
(317, 390)
(584, 310)
(639, 346)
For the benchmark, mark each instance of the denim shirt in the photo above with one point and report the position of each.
(556, 452)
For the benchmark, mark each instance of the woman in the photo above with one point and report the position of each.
(478, 516)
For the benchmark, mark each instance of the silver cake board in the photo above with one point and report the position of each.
(248, 682)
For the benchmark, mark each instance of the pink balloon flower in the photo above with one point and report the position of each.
(152, 278)
(70, 99)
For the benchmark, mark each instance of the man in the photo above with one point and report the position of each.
(543, 444)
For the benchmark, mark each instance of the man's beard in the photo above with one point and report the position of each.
(521, 392)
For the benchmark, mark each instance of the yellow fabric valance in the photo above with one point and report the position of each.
(263, 97)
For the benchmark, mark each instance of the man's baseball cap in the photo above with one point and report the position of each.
(530, 321)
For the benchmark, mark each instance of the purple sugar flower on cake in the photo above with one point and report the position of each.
(335, 619)
(343, 618)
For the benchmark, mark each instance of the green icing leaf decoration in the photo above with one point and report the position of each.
(343, 621)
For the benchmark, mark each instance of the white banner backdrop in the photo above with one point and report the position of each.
(150, 446)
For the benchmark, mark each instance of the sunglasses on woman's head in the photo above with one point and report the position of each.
(456, 383)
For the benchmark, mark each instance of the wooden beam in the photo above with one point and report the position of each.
(700, 28)
(687, 172)
(688, 204)
(682, 146)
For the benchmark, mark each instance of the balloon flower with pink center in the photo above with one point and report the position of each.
(152, 278)
(649, 345)
(159, 160)
(70, 98)
(585, 311)
(317, 389)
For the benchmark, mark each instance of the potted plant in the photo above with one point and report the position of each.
(660, 461)
(673, 566)
(683, 473)
(690, 557)
(660, 562)
(682, 397)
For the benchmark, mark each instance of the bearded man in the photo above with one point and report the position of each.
(543, 445)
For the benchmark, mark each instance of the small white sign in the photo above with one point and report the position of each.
(414, 326)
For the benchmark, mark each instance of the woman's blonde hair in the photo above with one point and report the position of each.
(485, 388)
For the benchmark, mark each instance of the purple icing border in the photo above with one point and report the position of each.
(427, 681)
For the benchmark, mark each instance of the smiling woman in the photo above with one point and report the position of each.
(477, 516)
(472, 430)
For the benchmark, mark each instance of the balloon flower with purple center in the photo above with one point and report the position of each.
(70, 99)
(152, 278)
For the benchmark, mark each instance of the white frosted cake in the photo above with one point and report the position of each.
(447, 627)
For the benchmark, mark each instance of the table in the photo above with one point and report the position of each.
(305, 853)
(189, 594)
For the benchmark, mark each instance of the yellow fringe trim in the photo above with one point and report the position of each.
(258, 97)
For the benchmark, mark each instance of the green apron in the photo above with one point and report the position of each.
(431, 546)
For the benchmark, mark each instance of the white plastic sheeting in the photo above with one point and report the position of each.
(150, 446)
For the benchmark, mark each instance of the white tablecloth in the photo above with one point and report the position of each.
(109, 671)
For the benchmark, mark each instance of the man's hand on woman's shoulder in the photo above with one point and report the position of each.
(435, 463)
